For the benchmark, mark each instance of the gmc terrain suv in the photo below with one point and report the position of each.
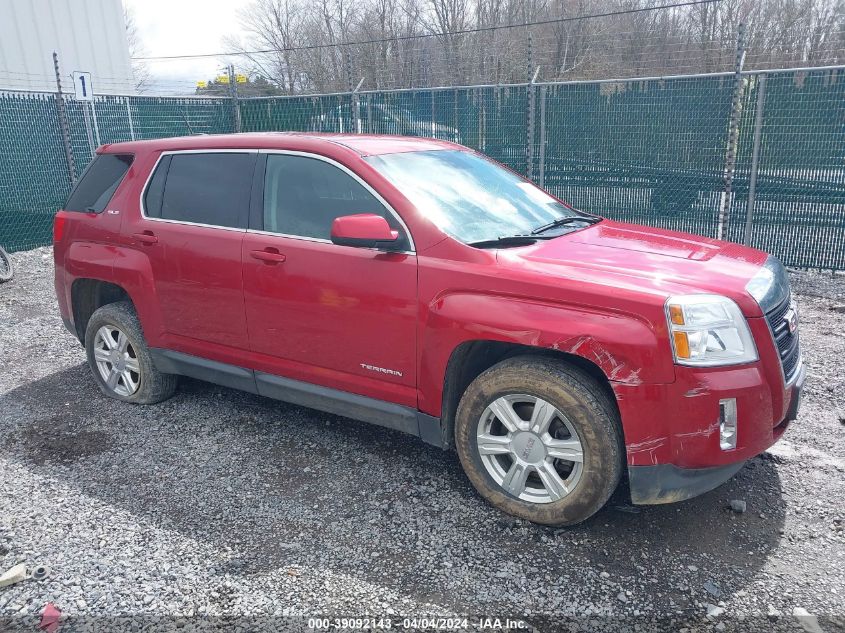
(417, 285)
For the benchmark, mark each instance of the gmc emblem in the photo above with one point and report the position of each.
(791, 319)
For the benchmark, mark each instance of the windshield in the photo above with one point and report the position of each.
(470, 198)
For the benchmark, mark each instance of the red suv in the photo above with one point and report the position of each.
(418, 285)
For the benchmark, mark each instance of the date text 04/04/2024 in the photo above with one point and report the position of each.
(416, 624)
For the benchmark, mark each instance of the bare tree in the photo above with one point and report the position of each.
(319, 46)
(140, 70)
(276, 26)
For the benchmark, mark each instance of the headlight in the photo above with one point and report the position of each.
(708, 330)
(770, 286)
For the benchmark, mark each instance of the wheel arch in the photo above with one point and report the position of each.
(615, 345)
(471, 358)
(90, 294)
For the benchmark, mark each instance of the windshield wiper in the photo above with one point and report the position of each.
(507, 240)
(569, 219)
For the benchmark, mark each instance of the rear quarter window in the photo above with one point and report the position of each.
(98, 183)
(155, 190)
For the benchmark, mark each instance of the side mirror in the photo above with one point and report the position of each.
(366, 230)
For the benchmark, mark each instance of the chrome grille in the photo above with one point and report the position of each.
(786, 340)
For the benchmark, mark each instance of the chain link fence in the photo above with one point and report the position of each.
(794, 192)
(34, 177)
(654, 151)
(37, 169)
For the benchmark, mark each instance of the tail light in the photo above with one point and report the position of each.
(58, 227)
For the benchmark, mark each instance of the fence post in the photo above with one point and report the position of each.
(353, 93)
(88, 131)
(356, 107)
(529, 118)
(755, 157)
(63, 122)
(532, 124)
(129, 118)
(94, 118)
(348, 64)
(432, 114)
(455, 114)
(733, 135)
(542, 166)
(233, 93)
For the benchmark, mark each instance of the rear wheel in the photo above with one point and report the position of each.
(120, 359)
(540, 439)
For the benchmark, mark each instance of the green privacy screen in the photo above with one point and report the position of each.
(650, 152)
(799, 213)
(34, 177)
(34, 174)
(645, 151)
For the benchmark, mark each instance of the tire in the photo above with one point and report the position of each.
(138, 381)
(6, 270)
(580, 416)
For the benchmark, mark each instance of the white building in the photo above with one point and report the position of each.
(88, 35)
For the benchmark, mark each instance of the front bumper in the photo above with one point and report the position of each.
(665, 483)
(681, 458)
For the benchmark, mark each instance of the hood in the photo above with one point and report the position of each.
(657, 261)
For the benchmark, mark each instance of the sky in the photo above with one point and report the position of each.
(185, 27)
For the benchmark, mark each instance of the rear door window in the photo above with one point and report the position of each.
(203, 188)
(99, 182)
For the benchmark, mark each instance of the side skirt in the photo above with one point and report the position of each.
(171, 362)
(343, 403)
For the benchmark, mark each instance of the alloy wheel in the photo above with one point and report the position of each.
(117, 361)
(530, 448)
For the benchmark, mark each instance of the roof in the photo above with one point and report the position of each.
(362, 144)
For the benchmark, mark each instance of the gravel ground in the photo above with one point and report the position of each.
(219, 509)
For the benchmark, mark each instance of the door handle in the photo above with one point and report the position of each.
(269, 256)
(146, 237)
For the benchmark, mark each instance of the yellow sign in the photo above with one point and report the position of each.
(202, 84)
(241, 79)
(222, 79)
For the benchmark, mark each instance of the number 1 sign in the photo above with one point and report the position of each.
(82, 87)
(83, 90)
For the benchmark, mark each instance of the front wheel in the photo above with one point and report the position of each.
(540, 439)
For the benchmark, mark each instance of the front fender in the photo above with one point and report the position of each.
(626, 347)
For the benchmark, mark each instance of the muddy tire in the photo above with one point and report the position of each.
(120, 359)
(541, 440)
